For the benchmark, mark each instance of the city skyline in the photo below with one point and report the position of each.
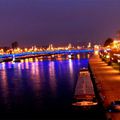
(60, 22)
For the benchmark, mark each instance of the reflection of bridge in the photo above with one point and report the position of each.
(44, 53)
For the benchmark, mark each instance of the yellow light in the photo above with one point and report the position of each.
(116, 44)
(26, 60)
(96, 52)
(78, 56)
(36, 59)
(22, 61)
(107, 56)
(31, 59)
(26, 49)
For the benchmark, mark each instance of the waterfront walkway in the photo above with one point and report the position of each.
(107, 81)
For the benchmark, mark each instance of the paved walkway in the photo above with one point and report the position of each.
(108, 82)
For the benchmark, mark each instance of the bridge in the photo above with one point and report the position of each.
(44, 53)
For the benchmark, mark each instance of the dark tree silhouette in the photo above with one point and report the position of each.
(108, 42)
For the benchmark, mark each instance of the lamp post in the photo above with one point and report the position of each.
(108, 57)
(119, 64)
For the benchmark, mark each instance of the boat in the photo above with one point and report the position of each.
(84, 95)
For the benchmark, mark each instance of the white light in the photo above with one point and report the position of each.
(118, 61)
(69, 56)
(108, 56)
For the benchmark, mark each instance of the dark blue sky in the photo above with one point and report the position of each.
(59, 22)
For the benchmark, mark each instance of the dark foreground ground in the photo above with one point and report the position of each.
(53, 114)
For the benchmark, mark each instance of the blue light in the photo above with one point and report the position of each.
(46, 52)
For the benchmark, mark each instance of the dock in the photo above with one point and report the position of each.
(107, 82)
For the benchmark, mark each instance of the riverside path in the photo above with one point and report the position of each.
(107, 81)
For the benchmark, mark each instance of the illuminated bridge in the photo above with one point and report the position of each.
(45, 53)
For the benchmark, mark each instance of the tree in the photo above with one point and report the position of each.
(108, 42)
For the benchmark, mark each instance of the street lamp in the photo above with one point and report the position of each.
(119, 64)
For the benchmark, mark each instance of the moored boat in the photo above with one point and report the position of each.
(84, 96)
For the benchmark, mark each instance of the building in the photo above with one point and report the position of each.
(14, 45)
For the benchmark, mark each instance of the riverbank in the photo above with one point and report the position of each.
(106, 82)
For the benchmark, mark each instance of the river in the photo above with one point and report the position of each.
(39, 87)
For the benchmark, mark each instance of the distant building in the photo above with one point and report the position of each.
(6, 48)
(89, 45)
(69, 46)
(14, 45)
(44, 47)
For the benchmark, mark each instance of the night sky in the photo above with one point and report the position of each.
(60, 22)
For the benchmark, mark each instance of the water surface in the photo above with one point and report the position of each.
(39, 86)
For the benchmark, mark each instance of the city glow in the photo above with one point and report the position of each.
(51, 52)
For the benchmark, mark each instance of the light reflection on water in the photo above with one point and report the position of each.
(71, 71)
(36, 83)
(52, 78)
(4, 84)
